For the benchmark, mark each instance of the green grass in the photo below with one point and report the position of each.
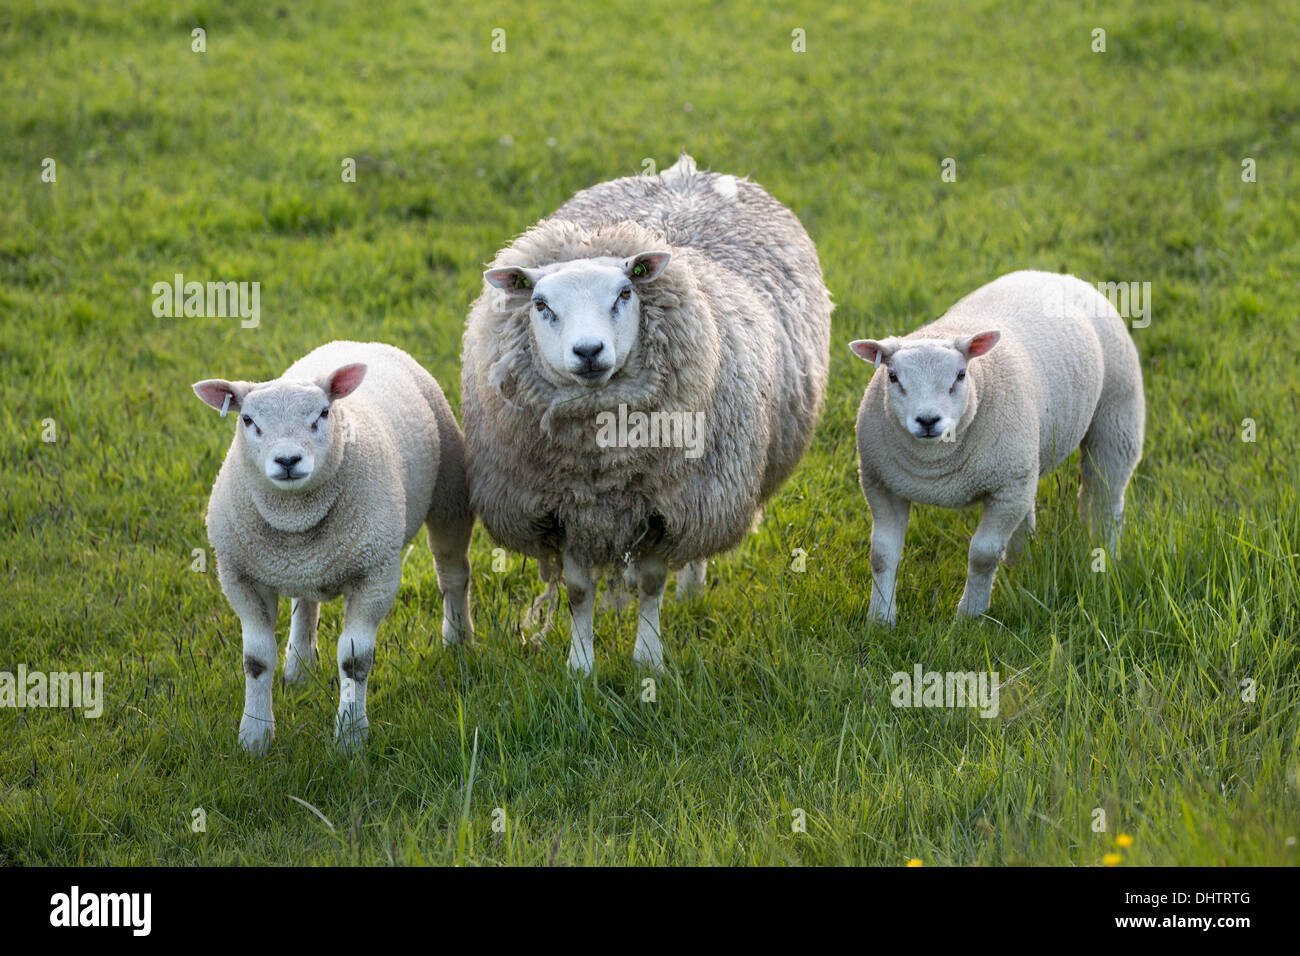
(1123, 165)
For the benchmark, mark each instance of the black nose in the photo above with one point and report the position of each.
(288, 463)
(927, 422)
(588, 350)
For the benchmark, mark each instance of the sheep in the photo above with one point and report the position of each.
(937, 427)
(691, 296)
(333, 468)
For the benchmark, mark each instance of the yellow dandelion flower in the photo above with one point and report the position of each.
(1111, 859)
(914, 862)
(1124, 840)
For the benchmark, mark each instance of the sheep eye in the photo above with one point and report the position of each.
(626, 293)
(893, 378)
(247, 420)
(961, 375)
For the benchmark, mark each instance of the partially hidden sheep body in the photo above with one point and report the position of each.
(333, 469)
(691, 296)
(977, 405)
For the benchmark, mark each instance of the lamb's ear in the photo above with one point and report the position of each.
(973, 345)
(222, 395)
(645, 266)
(512, 279)
(343, 381)
(869, 350)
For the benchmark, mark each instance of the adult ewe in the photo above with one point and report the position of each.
(937, 427)
(643, 369)
(333, 468)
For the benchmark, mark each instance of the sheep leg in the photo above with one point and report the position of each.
(1020, 539)
(450, 547)
(652, 575)
(256, 607)
(889, 516)
(690, 579)
(1104, 474)
(581, 588)
(364, 607)
(1002, 516)
(300, 655)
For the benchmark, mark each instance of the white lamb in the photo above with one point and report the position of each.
(333, 468)
(938, 428)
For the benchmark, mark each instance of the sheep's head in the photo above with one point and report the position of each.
(928, 389)
(586, 313)
(285, 426)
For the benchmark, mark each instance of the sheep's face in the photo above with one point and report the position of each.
(285, 426)
(585, 315)
(927, 382)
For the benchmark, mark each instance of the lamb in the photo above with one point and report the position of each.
(691, 296)
(333, 468)
(937, 427)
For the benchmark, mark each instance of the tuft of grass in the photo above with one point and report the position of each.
(1158, 696)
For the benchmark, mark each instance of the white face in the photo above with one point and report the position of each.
(287, 428)
(927, 388)
(586, 318)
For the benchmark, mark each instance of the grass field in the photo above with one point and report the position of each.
(1125, 690)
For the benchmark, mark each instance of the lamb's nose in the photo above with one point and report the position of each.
(288, 463)
(588, 350)
(927, 421)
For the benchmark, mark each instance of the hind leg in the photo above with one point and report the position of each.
(690, 578)
(450, 547)
(300, 656)
(1109, 452)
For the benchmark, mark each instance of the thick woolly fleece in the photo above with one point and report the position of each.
(1057, 378)
(737, 327)
(396, 460)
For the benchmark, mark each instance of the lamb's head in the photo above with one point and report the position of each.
(286, 429)
(928, 388)
(586, 313)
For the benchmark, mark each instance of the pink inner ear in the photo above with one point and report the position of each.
(345, 380)
(981, 344)
(865, 350)
(214, 394)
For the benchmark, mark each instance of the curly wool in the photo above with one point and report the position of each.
(737, 327)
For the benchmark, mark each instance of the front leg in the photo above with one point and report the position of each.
(256, 607)
(581, 588)
(652, 575)
(889, 516)
(1003, 514)
(300, 655)
(364, 608)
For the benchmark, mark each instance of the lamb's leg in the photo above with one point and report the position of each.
(690, 579)
(1108, 455)
(581, 587)
(889, 515)
(450, 547)
(364, 608)
(256, 607)
(652, 575)
(1002, 515)
(300, 656)
(1019, 542)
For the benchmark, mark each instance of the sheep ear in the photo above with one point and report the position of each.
(869, 350)
(222, 395)
(973, 345)
(645, 266)
(511, 279)
(343, 381)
